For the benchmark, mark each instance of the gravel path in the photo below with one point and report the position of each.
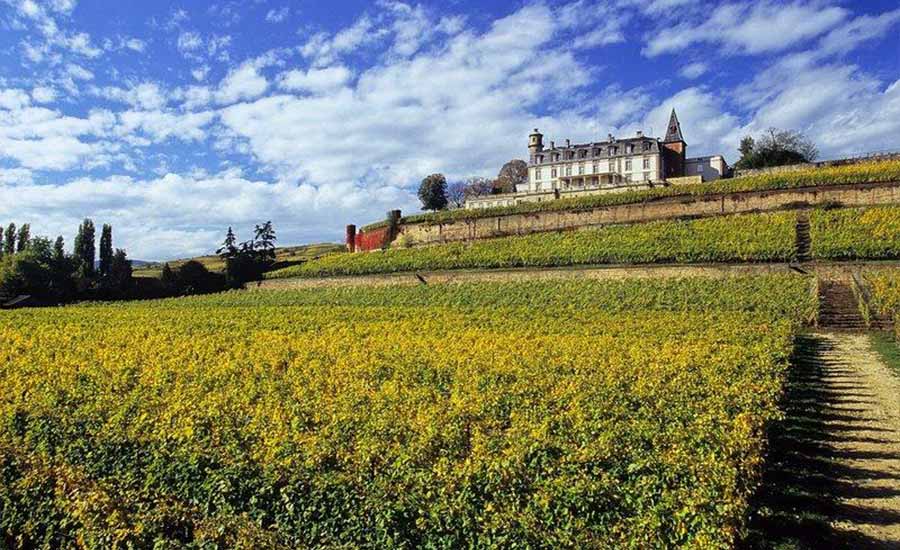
(833, 474)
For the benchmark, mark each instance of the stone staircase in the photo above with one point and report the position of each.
(839, 309)
(803, 241)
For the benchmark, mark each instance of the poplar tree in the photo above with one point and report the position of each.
(59, 250)
(85, 248)
(10, 239)
(24, 237)
(106, 250)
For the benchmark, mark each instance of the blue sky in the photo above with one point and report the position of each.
(175, 119)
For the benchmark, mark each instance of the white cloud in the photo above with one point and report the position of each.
(13, 99)
(78, 72)
(399, 120)
(707, 125)
(189, 42)
(844, 110)
(160, 126)
(657, 7)
(200, 73)
(136, 45)
(324, 50)
(749, 27)
(15, 176)
(43, 94)
(178, 216)
(861, 29)
(242, 83)
(278, 15)
(315, 80)
(694, 70)
(43, 139)
(146, 95)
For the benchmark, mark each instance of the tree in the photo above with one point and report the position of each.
(477, 187)
(29, 272)
(514, 172)
(776, 148)
(9, 240)
(456, 194)
(85, 249)
(169, 281)
(433, 192)
(106, 250)
(62, 287)
(193, 278)
(229, 246)
(746, 147)
(59, 249)
(264, 242)
(120, 271)
(24, 237)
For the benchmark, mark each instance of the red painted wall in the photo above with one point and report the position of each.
(372, 240)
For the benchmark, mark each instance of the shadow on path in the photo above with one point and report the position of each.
(813, 470)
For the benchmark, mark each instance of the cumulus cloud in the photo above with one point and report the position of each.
(315, 80)
(43, 139)
(244, 82)
(145, 96)
(749, 27)
(185, 215)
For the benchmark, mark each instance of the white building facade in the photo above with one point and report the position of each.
(609, 166)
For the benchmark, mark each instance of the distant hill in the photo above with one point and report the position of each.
(284, 257)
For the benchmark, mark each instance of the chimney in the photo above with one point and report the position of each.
(568, 143)
(640, 133)
(552, 144)
(610, 138)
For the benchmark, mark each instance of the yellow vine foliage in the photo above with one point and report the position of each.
(283, 423)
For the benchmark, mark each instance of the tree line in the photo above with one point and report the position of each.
(436, 194)
(41, 268)
(244, 262)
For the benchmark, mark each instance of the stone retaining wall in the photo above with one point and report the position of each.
(662, 209)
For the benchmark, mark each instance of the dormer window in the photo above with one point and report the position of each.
(583, 153)
(597, 151)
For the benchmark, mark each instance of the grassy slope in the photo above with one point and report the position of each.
(285, 257)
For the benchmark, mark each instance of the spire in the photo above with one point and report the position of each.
(674, 131)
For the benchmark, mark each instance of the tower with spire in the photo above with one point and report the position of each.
(674, 149)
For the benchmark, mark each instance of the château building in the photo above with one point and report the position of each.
(616, 164)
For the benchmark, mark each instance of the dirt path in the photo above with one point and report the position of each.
(833, 479)
(611, 272)
(826, 270)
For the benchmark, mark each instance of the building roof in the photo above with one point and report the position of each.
(603, 146)
(673, 133)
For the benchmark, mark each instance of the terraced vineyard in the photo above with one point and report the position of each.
(747, 238)
(869, 172)
(627, 414)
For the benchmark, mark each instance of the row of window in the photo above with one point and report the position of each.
(568, 169)
(611, 151)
